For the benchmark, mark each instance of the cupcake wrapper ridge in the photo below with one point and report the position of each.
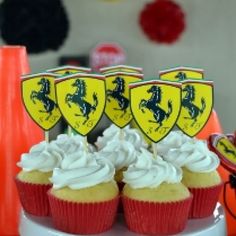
(156, 218)
(33, 197)
(82, 218)
(204, 201)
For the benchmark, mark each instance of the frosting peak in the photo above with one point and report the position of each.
(194, 155)
(43, 157)
(79, 172)
(113, 133)
(175, 139)
(78, 159)
(150, 172)
(70, 144)
(121, 154)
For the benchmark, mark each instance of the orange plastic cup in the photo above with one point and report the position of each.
(231, 202)
(212, 126)
(17, 133)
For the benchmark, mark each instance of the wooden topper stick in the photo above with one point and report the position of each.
(154, 148)
(69, 130)
(86, 145)
(46, 136)
(122, 134)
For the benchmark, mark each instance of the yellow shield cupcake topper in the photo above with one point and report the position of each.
(181, 73)
(81, 99)
(121, 68)
(38, 93)
(155, 106)
(197, 104)
(117, 93)
(67, 70)
(225, 148)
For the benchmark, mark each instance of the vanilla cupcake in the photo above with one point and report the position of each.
(82, 185)
(120, 147)
(200, 174)
(33, 180)
(154, 199)
(122, 154)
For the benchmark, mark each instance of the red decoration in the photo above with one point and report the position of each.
(107, 54)
(162, 21)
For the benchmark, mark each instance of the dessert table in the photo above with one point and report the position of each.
(213, 225)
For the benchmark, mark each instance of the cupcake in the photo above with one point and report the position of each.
(84, 195)
(33, 180)
(122, 154)
(120, 147)
(154, 199)
(200, 174)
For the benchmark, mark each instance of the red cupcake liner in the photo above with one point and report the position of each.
(82, 218)
(204, 201)
(120, 208)
(33, 197)
(156, 218)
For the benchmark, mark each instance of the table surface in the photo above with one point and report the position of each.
(213, 225)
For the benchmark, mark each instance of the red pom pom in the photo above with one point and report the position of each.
(162, 21)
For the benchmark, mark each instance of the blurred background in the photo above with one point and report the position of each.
(152, 34)
(208, 40)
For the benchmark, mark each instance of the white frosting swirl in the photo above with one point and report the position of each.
(133, 136)
(175, 139)
(71, 144)
(43, 157)
(194, 155)
(121, 153)
(77, 159)
(80, 172)
(113, 133)
(150, 172)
